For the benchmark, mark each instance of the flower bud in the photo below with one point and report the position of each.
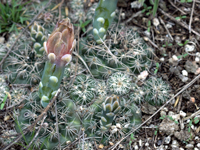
(61, 42)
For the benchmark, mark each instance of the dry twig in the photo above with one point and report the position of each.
(191, 16)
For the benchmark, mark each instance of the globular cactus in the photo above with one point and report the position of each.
(104, 15)
(38, 37)
(48, 138)
(119, 83)
(105, 118)
(156, 90)
(77, 7)
(22, 66)
(111, 107)
(137, 94)
(59, 48)
(83, 89)
(124, 50)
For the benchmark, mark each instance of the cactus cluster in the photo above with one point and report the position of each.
(23, 66)
(77, 7)
(38, 37)
(103, 18)
(68, 123)
(86, 106)
(124, 51)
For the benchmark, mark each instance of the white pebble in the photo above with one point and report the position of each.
(174, 58)
(197, 54)
(140, 142)
(168, 139)
(189, 146)
(156, 22)
(185, 73)
(198, 145)
(182, 114)
(136, 147)
(197, 59)
(147, 144)
(189, 48)
(162, 59)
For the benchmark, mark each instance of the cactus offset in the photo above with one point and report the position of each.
(38, 37)
(104, 15)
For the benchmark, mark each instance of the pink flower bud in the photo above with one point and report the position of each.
(61, 43)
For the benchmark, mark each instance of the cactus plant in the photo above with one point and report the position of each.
(156, 91)
(47, 138)
(106, 117)
(22, 66)
(83, 89)
(59, 48)
(38, 37)
(123, 51)
(119, 83)
(104, 15)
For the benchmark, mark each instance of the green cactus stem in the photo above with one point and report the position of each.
(38, 37)
(104, 15)
(59, 48)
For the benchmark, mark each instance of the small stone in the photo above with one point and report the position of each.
(174, 58)
(2, 39)
(182, 114)
(156, 22)
(174, 144)
(147, 33)
(170, 113)
(190, 66)
(147, 144)
(168, 139)
(185, 73)
(162, 59)
(163, 113)
(168, 126)
(184, 135)
(6, 118)
(101, 146)
(136, 147)
(189, 146)
(196, 148)
(121, 146)
(165, 109)
(197, 138)
(197, 59)
(198, 54)
(136, 4)
(181, 148)
(184, 78)
(189, 48)
(140, 142)
(198, 145)
(111, 143)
